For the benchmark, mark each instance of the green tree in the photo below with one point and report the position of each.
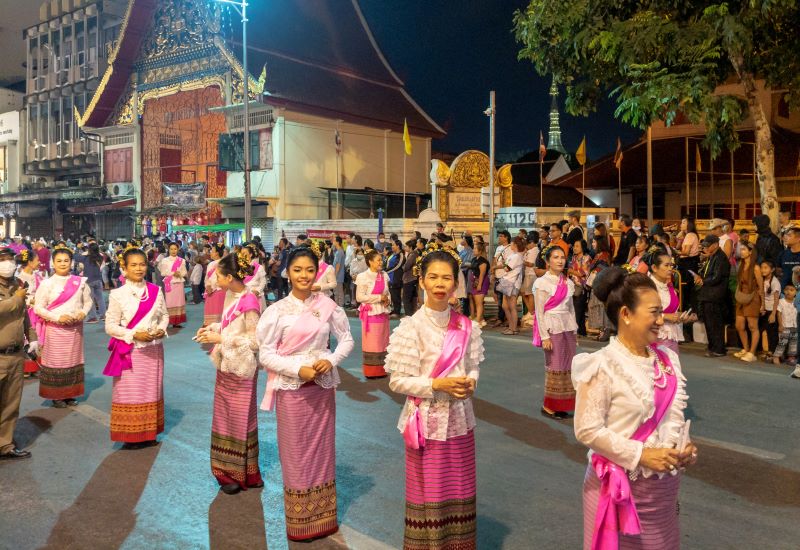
(661, 57)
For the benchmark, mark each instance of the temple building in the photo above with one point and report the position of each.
(136, 110)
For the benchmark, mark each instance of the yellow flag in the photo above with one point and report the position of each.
(580, 156)
(406, 137)
(698, 163)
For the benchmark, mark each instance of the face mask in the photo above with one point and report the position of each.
(7, 268)
(637, 227)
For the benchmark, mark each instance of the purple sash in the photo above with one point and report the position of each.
(554, 301)
(70, 288)
(120, 359)
(304, 329)
(323, 267)
(616, 509)
(174, 269)
(364, 309)
(456, 342)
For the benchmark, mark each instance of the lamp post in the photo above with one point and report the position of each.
(490, 112)
(241, 8)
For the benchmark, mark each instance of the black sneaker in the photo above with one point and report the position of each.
(15, 454)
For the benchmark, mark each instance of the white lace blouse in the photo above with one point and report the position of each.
(29, 278)
(327, 282)
(669, 330)
(51, 288)
(414, 348)
(615, 395)
(165, 268)
(365, 282)
(562, 317)
(123, 303)
(277, 320)
(257, 283)
(236, 353)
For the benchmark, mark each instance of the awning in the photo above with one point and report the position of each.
(212, 228)
(104, 207)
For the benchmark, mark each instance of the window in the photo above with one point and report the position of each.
(33, 123)
(66, 126)
(55, 121)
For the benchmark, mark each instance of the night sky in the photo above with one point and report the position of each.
(451, 53)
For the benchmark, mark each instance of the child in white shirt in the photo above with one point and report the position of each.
(787, 327)
(196, 278)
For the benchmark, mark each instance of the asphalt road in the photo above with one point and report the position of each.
(80, 491)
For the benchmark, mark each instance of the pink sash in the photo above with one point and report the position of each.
(674, 302)
(209, 274)
(554, 301)
(364, 309)
(456, 342)
(323, 267)
(616, 509)
(174, 269)
(120, 359)
(247, 302)
(255, 270)
(70, 288)
(304, 329)
(35, 321)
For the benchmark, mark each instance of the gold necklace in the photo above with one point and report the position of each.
(432, 320)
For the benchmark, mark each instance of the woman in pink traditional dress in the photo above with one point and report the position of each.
(257, 281)
(326, 276)
(630, 401)
(61, 303)
(28, 273)
(662, 271)
(234, 429)
(554, 330)
(372, 293)
(434, 359)
(215, 295)
(136, 320)
(173, 272)
(293, 338)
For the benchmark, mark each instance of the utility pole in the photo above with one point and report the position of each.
(241, 7)
(649, 176)
(490, 112)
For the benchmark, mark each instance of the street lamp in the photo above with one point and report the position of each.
(241, 8)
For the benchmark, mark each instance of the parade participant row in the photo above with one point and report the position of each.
(628, 408)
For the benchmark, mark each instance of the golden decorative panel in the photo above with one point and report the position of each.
(470, 169)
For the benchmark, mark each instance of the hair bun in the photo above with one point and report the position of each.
(607, 280)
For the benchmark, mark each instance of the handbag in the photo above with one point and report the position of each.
(744, 298)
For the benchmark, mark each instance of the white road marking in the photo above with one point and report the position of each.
(358, 540)
(101, 417)
(742, 370)
(744, 449)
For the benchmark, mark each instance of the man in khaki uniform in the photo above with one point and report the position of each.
(14, 325)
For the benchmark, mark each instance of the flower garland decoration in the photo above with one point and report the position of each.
(244, 264)
(433, 247)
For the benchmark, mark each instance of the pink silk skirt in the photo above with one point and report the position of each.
(307, 449)
(657, 506)
(213, 306)
(137, 397)
(559, 394)
(61, 373)
(441, 495)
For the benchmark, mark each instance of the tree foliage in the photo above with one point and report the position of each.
(661, 57)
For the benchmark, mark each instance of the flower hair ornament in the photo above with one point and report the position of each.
(433, 247)
(629, 269)
(314, 247)
(546, 250)
(25, 256)
(62, 246)
(243, 263)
